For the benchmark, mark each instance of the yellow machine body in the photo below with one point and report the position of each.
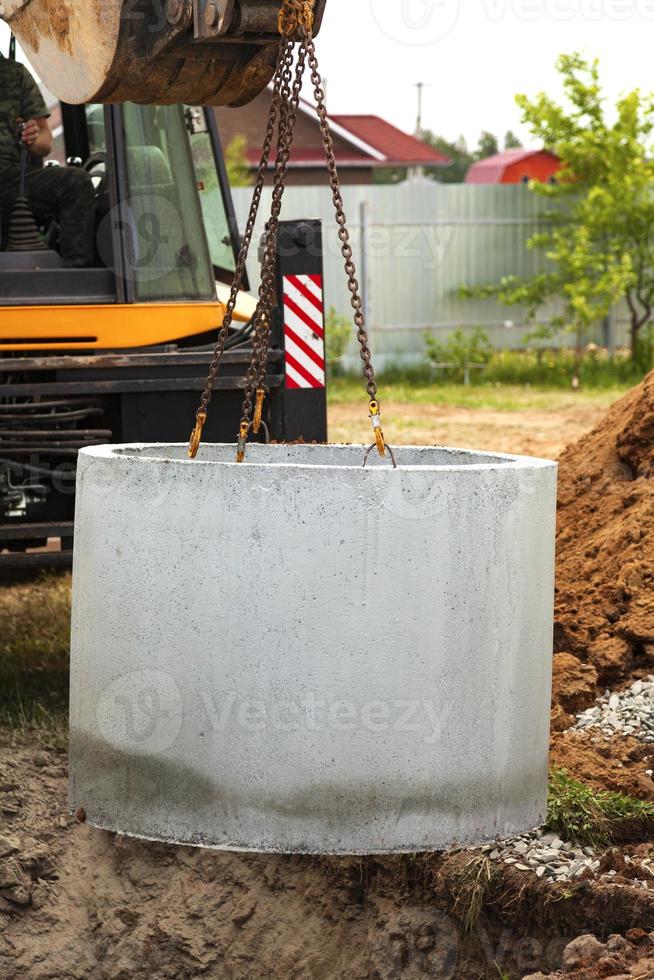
(109, 326)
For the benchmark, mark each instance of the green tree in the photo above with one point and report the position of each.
(389, 175)
(459, 349)
(338, 333)
(462, 158)
(487, 146)
(457, 151)
(236, 162)
(598, 241)
(511, 141)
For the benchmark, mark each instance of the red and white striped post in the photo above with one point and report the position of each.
(301, 330)
(304, 331)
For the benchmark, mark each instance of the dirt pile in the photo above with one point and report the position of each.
(604, 615)
(605, 565)
(629, 957)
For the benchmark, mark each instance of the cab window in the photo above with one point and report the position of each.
(211, 197)
(166, 250)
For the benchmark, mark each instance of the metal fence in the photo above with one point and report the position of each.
(416, 244)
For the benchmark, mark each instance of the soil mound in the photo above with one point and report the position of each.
(605, 565)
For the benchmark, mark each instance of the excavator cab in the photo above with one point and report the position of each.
(119, 352)
(165, 232)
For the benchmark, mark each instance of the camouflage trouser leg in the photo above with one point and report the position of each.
(66, 194)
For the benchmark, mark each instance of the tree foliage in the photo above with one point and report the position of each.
(461, 156)
(458, 350)
(457, 151)
(598, 239)
(487, 145)
(236, 162)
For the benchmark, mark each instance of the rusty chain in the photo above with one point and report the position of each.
(257, 370)
(289, 102)
(346, 247)
(296, 25)
(295, 14)
(201, 415)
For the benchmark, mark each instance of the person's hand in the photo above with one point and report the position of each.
(29, 132)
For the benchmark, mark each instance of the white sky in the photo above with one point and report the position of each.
(472, 55)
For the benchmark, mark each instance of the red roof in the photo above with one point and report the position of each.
(371, 142)
(395, 145)
(303, 156)
(491, 169)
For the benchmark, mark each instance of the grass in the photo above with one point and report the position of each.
(577, 812)
(500, 972)
(34, 643)
(473, 883)
(497, 397)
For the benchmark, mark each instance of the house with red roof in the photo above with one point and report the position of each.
(517, 166)
(363, 144)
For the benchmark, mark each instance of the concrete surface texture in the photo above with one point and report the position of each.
(299, 654)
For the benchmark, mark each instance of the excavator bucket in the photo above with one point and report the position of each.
(204, 52)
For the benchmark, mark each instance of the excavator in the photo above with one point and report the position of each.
(118, 352)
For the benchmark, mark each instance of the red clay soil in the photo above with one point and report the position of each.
(605, 564)
(604, 619)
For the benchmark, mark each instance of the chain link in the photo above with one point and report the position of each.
(269, 263)
(293, 15)
(201, 415)
(296, 27)
(290, 100)
(341, 220)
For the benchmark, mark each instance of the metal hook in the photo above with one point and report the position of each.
(386, 446)
(243, 436)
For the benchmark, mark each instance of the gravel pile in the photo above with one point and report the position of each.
(555, 860)
(546, 855)
(630, 712)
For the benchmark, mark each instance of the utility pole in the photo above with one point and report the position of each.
(420, 86)
(415, 173)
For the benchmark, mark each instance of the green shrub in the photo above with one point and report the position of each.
(540, 367)
(643, 357)
(460, 349)
(579, 813)
(596, 368)
(338, 332)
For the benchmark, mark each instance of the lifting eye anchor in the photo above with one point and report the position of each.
(375, 418)
(243, 437)
(196, 435)
(258, 410)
